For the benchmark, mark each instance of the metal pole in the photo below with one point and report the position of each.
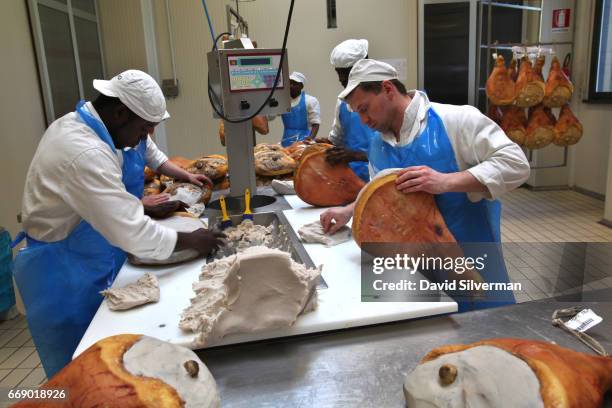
(241, 161)
(478, 56)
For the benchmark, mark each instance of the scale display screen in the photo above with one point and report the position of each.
(253, 72)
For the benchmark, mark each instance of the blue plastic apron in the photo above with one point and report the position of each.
(296, 123)
(469, 222)
(60, 281)
(357, 137)
(7, 294)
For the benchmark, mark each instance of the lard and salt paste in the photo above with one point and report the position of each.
(485, 377)
(313, 233)
(283, 187)
(256, 289)
(248, 234)
(191, 195)
(153, 358)
(144, 290)
(187, 193)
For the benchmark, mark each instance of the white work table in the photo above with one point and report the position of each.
(339, 306)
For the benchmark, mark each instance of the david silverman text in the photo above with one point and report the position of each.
(424, 284)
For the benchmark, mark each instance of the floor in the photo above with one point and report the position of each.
(19, 362)
(544, 236)
(553, 243)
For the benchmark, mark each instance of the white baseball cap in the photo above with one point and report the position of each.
(348, 52)
(138, 91)
(298, 77)
(367, 70)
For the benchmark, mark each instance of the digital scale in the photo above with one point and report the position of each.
(241, 81)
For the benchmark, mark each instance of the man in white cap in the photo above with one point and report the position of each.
(302, 122)
(454, 152)
(350, 136)
(82, 211)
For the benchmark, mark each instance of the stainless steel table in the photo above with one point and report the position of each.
(366, 367)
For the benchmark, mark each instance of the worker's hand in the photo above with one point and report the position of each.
(335, 218)
(164, 210)
(340, 155)
(202, 240)
(322, 139)
(199, 180)
(421, 178)
(155, 199)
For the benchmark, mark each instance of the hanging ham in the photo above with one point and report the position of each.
(512, 72)
(537, 67)
(500, 88)
(540, 130)
(495, 113)
(513, 123)
(559, 89)
(568, 130)
(529, 88)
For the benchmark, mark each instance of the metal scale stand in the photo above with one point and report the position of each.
(240, 81)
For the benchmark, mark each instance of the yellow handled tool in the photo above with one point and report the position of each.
(225, 221)
(247, 215)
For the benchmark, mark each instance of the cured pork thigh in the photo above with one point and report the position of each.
(513, 123)
(500, 87)
(508, 372)
(540, 129)
(559, 88)
(529, 87)
(323, 185)
(568, 130)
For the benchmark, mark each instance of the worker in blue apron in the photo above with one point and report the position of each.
(351, 137)
(296, 123)
(469, 222)
(79, 197)
(303, 121)
(421, 139)
(60, 282)
(357, 139)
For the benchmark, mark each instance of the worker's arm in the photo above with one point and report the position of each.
(164, 209)
(335, 218)
(314, 115)
(93, 188)
(487, 154)
(336, 134)
(424, 178)
(313, 131)
(337, 155)
(154, 199)
(491, 163)
(172, 170)
(202, 240)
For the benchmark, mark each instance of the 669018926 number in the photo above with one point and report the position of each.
(49, 394)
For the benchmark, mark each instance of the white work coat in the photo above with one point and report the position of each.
(75, 176)
(480, 145)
